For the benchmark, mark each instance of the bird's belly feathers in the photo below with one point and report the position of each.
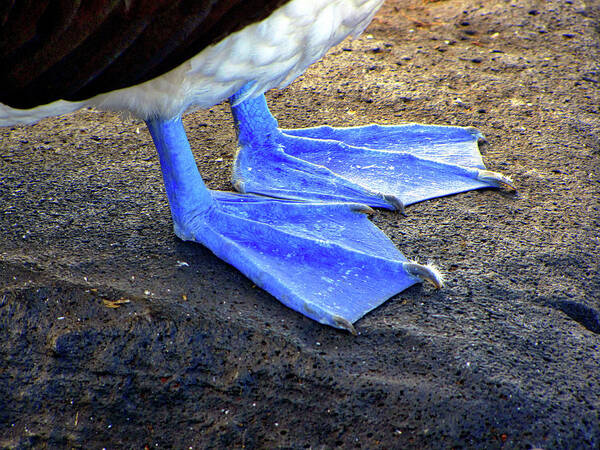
(270, 53)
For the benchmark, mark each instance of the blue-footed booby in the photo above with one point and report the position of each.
(295, 226)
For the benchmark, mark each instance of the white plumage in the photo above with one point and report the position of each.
(270, 53)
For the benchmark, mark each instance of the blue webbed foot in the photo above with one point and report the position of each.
(382, 166)
(324, 260)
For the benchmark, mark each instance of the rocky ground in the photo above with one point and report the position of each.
(110, 340)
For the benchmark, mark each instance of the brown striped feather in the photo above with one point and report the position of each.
(74, 50)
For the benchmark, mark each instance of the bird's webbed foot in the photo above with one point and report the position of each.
(382, 166)
(324, 260)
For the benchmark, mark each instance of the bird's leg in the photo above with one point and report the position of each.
(324, 260)
(382, 166)
(189, 198)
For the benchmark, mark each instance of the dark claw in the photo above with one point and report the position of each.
(422, 272)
